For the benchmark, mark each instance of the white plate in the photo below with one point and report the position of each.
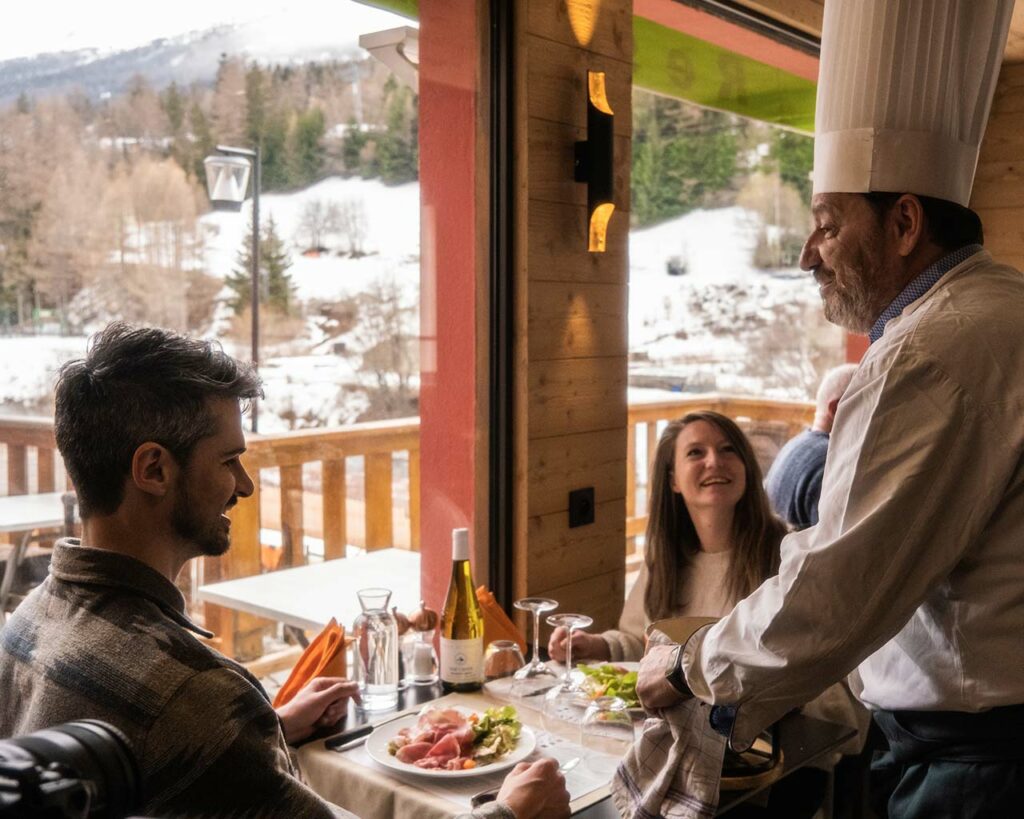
(377, 748)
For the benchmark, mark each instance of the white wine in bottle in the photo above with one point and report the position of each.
(462, 624)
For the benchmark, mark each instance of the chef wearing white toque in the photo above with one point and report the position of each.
(914, 577)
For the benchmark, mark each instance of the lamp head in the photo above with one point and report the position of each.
(227, 178)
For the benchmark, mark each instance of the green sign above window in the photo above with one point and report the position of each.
(669, 62)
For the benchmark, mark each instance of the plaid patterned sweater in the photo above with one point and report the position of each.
(106, 637)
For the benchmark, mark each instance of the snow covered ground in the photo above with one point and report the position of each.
(722, 325)
(392, 239)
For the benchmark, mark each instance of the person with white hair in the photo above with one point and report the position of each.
(794, 479)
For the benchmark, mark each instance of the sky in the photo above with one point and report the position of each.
(39, 26)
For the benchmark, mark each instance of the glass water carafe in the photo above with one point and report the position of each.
(375, 651)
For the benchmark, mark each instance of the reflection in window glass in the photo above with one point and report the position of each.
(720, 210)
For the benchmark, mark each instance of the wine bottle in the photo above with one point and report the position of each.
(462, 624)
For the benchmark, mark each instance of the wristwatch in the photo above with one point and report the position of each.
(674, 673)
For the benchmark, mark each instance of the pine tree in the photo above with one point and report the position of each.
(398, 146)
(174, 107)
(352, 147)
(277, 289)
(306, 149)
(193, 151)
(793, 154)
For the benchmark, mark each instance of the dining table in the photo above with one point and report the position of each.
(28, 516)
(307, 597)
(347, 775)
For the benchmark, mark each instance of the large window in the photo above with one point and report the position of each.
(104, 214)
(720, 315)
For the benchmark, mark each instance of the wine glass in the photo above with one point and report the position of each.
(535, 676)
(502, 659)
(565, 700)
(606, 734)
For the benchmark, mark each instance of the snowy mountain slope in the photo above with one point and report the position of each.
(103, 58)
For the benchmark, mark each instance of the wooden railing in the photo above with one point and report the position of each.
(303, 495)
(287, 505)
(28, 443)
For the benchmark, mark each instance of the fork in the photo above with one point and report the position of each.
(484, 797)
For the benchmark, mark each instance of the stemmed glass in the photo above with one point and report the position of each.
(606, 734)
(535, 676)
(564, 701)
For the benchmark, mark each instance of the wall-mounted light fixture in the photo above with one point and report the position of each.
(595, 162)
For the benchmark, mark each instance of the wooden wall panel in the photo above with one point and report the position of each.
(576, 395)
(562, 555)
(557, 72)
(577, 320)
(550, 162)
(612, 34)
(998, 194)
(572, 313)
(556, 234)
(599, 596)
(804, 15)
(563, 463)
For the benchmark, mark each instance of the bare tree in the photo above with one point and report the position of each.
(386, 335)
(352, 226)
(318, 220)
(154, 250)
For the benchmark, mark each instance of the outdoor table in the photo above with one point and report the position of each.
(351, 779)
(28, 514)
(307, 597)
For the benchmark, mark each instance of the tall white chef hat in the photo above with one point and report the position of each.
(904, 92)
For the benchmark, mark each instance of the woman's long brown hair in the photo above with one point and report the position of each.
(671, 541)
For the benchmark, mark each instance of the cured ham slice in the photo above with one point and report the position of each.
(447, 748)
(413, 752)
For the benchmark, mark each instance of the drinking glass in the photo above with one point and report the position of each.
(606, 732)
(566, 700)
(375, 651)
(502, 659)
(419, 657)
(534, 677)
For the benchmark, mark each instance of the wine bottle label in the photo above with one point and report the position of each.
(462, 661)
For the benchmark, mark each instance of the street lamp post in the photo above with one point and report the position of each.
(227, 177)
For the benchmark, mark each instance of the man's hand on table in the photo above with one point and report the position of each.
(652, 688)
(535, 790)
(321, 703)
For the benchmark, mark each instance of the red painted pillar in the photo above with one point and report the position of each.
(449, 47)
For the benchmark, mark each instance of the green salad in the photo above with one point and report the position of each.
(495, 733)
(609, 680)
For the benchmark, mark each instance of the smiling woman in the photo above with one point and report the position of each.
(711, 537)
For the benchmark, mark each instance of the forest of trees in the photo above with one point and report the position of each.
(686, 157)
(99, 198)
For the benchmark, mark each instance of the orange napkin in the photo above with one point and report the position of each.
(324, 657)
(497, 625)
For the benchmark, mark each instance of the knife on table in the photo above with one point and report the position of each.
(336, 742)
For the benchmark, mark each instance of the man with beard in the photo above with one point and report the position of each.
(913, 575)
(149, 426)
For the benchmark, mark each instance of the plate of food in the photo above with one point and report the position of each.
(612, 680)
(450, 743)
